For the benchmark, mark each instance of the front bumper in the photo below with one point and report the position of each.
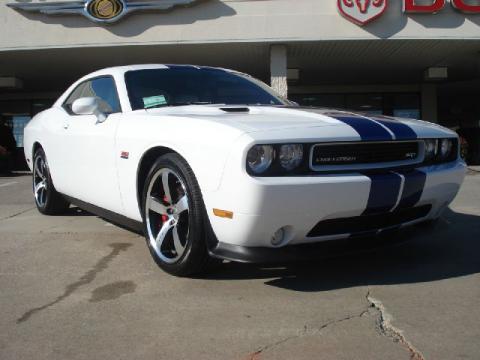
(305, 252)
(262, 206)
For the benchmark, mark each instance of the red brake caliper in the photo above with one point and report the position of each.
(164, 217)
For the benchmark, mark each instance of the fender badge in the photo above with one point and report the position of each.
(124, 154)
(101, 11)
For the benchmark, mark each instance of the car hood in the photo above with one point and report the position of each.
(302, 122)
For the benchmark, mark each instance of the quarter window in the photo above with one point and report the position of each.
(102, 88)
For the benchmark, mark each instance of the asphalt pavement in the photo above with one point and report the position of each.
(79, 287)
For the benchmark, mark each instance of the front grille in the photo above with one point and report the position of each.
(341, 154)
(368, 223)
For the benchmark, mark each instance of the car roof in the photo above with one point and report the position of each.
(120, 70)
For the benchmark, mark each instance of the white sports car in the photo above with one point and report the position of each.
(211, 163)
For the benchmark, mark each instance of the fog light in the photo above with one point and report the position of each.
(283, 236)
(278, 237)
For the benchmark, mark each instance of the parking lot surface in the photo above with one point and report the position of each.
(79, 287)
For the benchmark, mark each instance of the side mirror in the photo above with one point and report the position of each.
(88, 106)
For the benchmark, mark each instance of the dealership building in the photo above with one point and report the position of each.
(418, 59)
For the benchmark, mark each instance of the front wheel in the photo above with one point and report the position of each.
(47, 199)
(173, 214)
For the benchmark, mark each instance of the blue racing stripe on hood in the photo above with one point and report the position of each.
(400, 130)
(384, 192)
(367, 129)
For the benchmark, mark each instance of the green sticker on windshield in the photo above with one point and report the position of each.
(152, 101)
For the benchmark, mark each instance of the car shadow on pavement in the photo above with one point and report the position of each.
(76, 211)
(449, 249)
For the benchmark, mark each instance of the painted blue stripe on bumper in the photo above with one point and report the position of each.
(384, 192)
(366, 128)
(413, 188)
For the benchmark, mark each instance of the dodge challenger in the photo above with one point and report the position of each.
(211, 163)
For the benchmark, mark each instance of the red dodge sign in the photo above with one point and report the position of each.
(362, 12)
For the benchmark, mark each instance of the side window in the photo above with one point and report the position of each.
(102, 88)
(76, 94)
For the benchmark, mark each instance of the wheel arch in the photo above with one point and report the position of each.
(144, 165)
(36, 145)
(30, 153)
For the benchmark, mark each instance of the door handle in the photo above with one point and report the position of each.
(65, 125)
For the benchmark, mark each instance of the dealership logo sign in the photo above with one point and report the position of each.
(361, 12)
(102, 11)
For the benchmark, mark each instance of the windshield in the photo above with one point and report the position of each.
(188, 85)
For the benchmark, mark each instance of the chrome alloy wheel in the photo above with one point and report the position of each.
(40, 181)
(167, 215)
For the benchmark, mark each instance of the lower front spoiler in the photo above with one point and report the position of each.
(321, 250)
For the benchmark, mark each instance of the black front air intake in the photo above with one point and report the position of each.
(368, 223)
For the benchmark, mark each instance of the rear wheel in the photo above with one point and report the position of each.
(47, 199)
(174, 217)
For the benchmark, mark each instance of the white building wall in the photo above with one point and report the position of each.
(229, 21)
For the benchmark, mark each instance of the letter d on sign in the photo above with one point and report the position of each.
(460, 5)
(410, 6)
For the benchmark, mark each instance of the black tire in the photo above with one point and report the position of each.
(431, 224)
(195, 258)
(49, 202)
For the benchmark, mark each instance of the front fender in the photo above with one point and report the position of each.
(205, 146)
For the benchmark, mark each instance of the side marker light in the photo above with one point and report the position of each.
(223, 213)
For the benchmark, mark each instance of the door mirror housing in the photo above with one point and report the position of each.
(88, 106)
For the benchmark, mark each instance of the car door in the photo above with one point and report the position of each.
(89, 172)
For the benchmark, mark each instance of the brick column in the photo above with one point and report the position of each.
(278, 69)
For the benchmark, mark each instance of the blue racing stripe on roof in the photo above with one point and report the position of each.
(400, 130)
(384, 192)
(367, 129)
(413, 188)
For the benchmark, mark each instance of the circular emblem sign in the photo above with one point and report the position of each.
(105, 10)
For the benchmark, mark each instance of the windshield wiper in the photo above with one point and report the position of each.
(182, 104)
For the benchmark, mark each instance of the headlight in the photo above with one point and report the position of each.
(259, 158)
(431, 147)
(440, 150)
(445, 149)
(290, 156)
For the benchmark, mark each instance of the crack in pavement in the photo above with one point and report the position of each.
(17, 214)
(387, 329)
(306, 331)
(384, 327)
(256, 355)
(87, 278)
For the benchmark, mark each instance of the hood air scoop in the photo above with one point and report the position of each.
(235, 109)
